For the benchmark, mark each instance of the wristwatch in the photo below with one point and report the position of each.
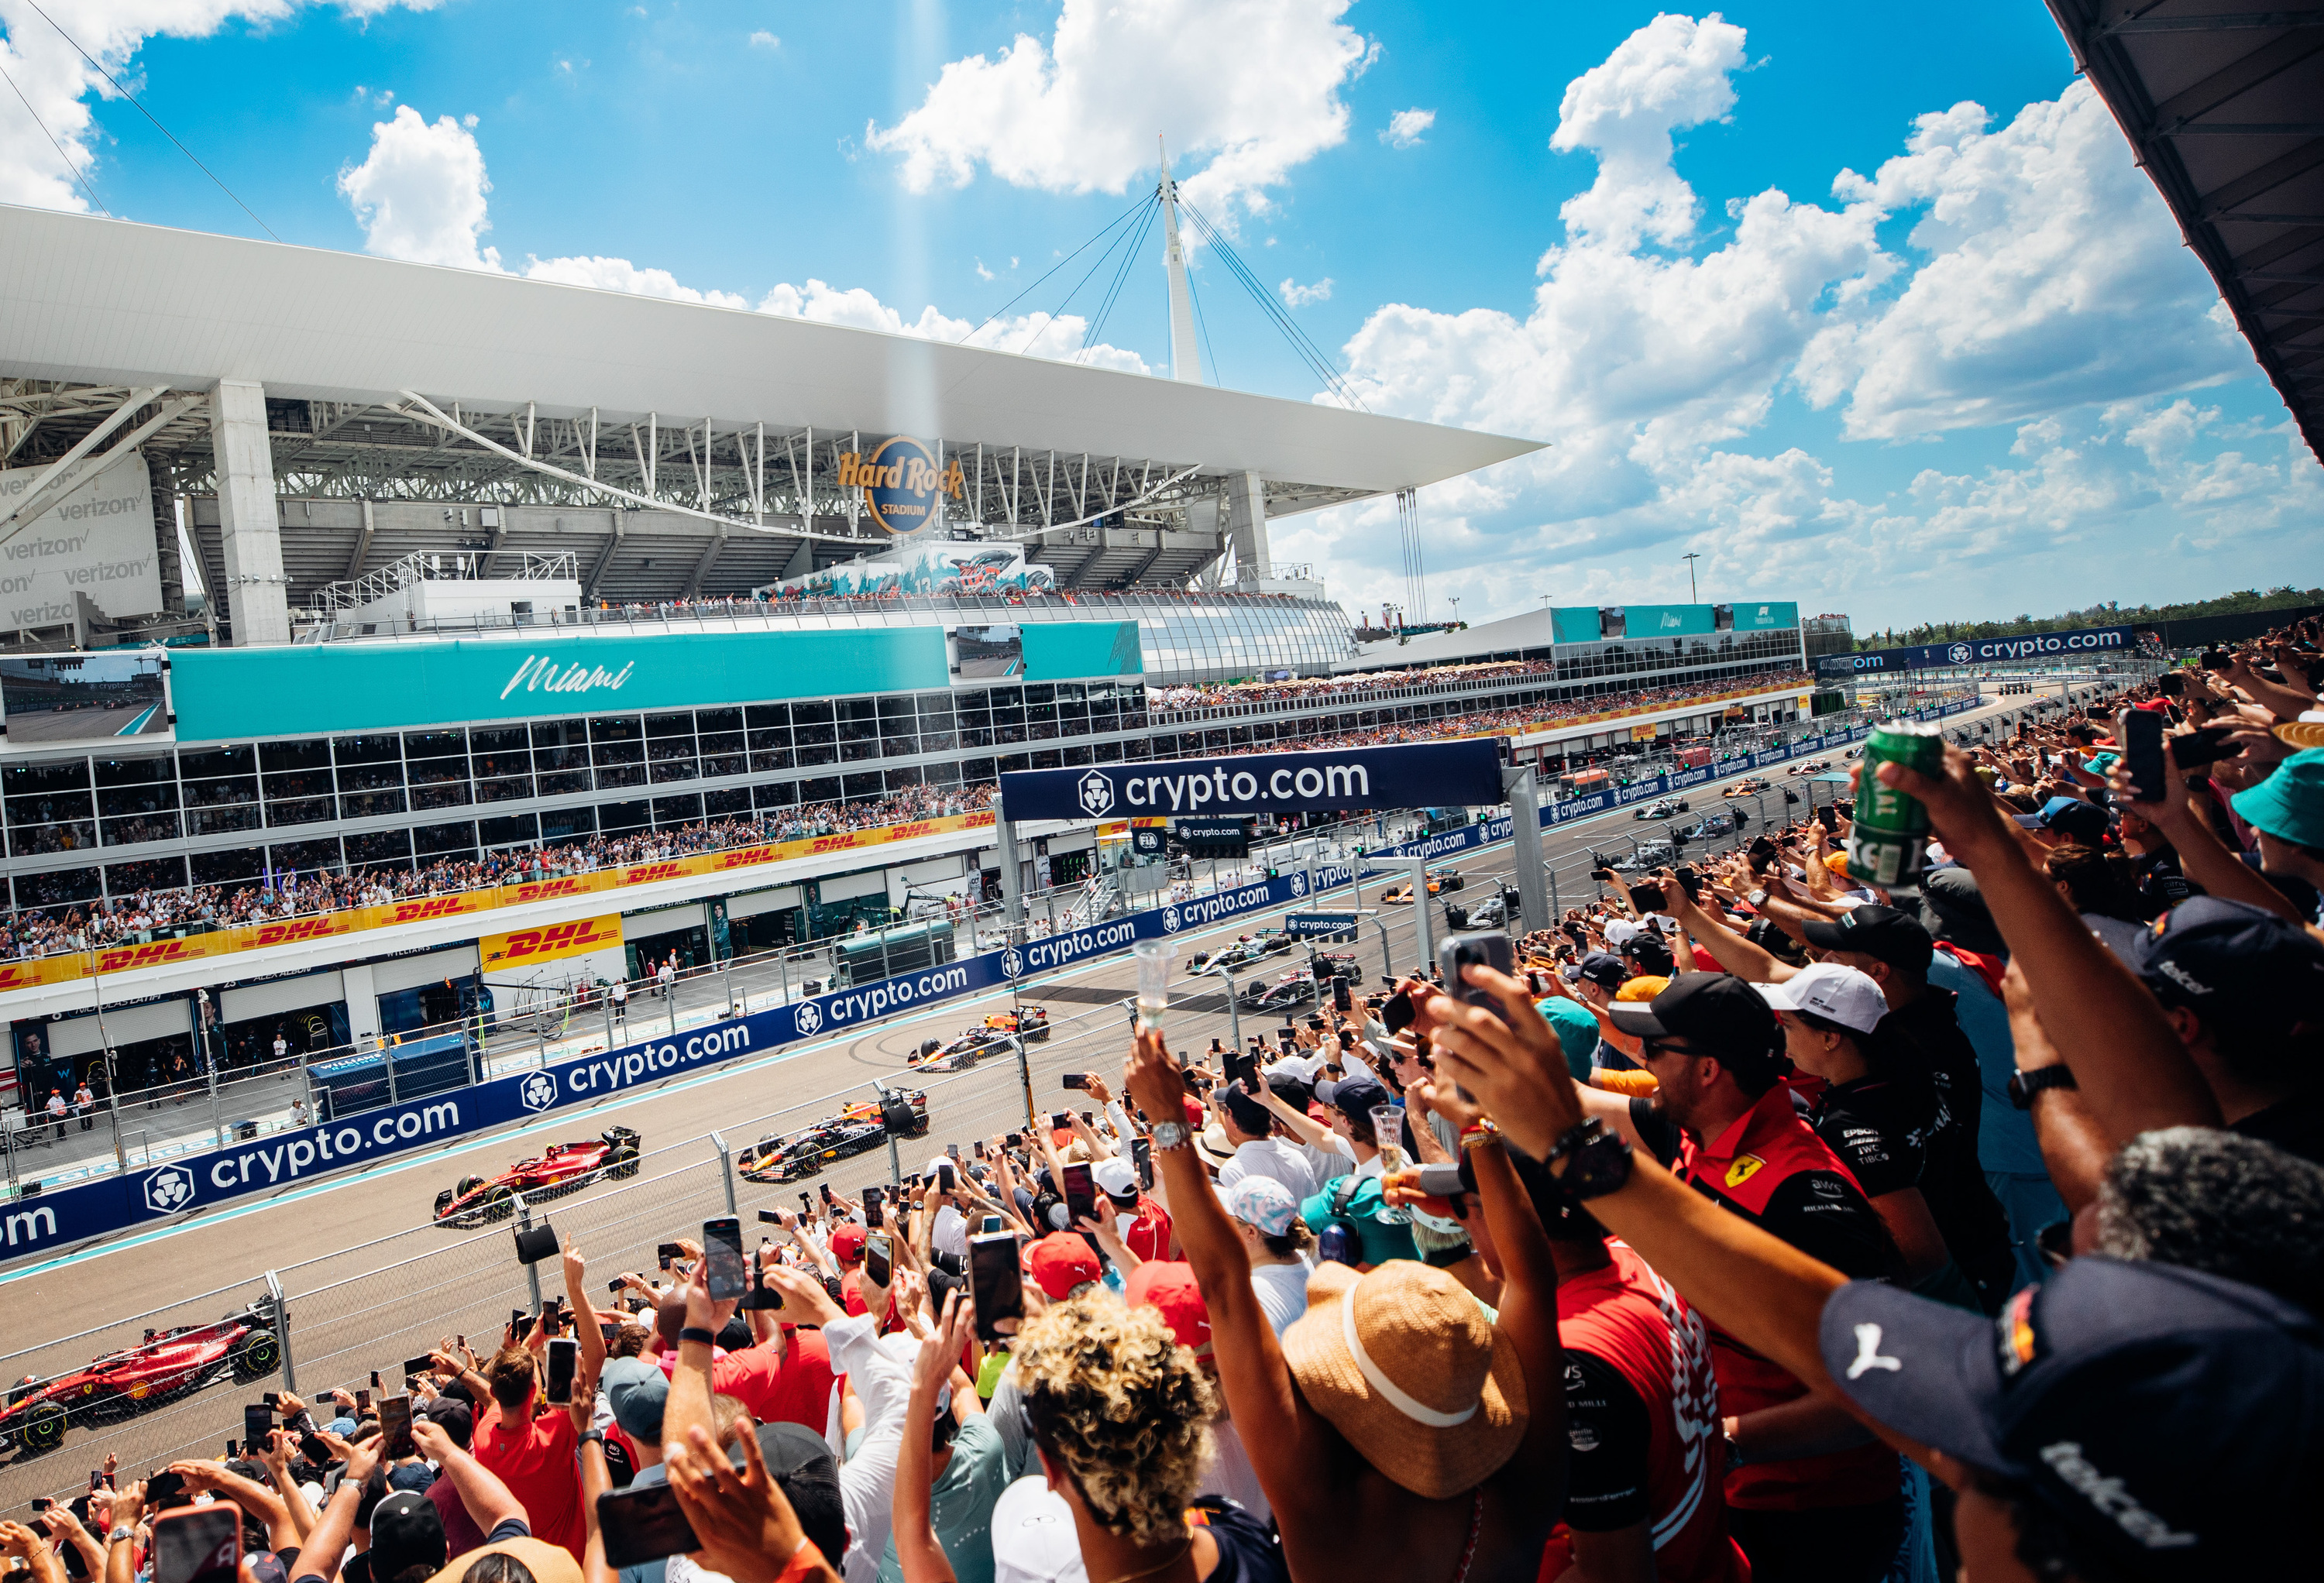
(2024, 1085)
(124, 1531)
(1597, 1159)
(1170, 1135)
(590, 1434)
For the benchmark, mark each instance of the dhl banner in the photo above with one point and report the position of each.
(63, 969)
(520, 948)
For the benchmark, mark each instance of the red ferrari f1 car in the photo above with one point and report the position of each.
(165, 1366)
(566, 1167)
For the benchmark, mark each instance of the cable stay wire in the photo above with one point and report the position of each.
(1120, 279)
(1317, 361)
(1062, 263)
(1210, 353)
(149, 115)
(1098, 264)
(72, 169)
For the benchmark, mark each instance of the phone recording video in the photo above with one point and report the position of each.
(1483, 948)
(1080, 1190)
(873, 1212)
(643, 1523)
(395, 1424)
(997, 1281)
(879, 1256)
(1076, 1079)
(1343, 998)
(197, 1545)
(257, 1423)
(563, 1362)
(722, 1257)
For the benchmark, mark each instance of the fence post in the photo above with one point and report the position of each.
(283, 1330)
(531, 1272)
(726, 1172)
(113, 1105)
(218, 1123)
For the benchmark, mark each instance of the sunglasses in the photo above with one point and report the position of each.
(1653, 1046)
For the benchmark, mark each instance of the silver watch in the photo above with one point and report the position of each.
(120, 1532)
(1169, 1135)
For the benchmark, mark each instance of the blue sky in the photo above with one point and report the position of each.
(1978, 377)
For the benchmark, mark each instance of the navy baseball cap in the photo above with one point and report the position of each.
(2244, 970)
(1353, 1096)
(2167, 1417)
(2071, 817)
(1606, 970)
(1884, 934)
(1248, 1113)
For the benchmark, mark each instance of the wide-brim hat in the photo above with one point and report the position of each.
(1404, 1364)
(1211, 1146)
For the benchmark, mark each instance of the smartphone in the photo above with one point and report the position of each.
(1080, 1190)
(946, 1180)
(96, 1479)
(521, 1322)
(257, 1423)
(2207, 745)
(2171, 684)
(1487, 948)
(614, 1287)
(272, 1398)
(395, 1423)
(667, 1252)
(42, 1504)
(878, 1254)
(198, 1544)
(1014, 1140)
(1142, 1154)
(1077, 1079)
(998, 1282)
(1647, 898)
(363, 1402)
(641, 1524)
(824, 1187)
(951, 1151)
(421, 1366)
(1343, 998)
(722, 1255)
(807, 1201)
(375, 1379)
(164, 1490)
(988, 1225)
(311, 1447)
(1396, 1011)
(1061, 1120)
(871, 1210)
(1829, 817)
(564, 1361)
(2217, 659)
(2141, 751)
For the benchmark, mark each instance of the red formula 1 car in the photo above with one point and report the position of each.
(165, 1366)
(566, 1167)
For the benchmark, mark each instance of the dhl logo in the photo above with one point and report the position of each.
(833, 843)
(433, 907)
(137, 956)
(556, 940)
(647, 873)
(549, 889)
(19, 977)
(298, 929)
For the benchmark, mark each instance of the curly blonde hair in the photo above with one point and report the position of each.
(1123, 1407)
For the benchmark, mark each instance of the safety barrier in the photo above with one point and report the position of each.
(60, 1219)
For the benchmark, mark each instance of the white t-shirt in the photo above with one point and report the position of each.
(1282, 1292)
(949, 1233)
(1270, 1156)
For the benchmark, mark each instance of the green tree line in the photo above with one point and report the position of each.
(2112, 614)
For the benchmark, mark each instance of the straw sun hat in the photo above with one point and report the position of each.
(1404, 1365)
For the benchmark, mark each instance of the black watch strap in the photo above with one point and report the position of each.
(696, 1333)
(2024, 1085)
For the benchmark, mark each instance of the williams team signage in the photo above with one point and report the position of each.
(2076, 645)
(1435, 775)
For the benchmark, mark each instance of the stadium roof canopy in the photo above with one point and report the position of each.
(726, 416)
(2223, 101)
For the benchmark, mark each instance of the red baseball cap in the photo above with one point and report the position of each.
(847, 1242)
(1062, 1261)
(1196, 1116)
(1172, 1289)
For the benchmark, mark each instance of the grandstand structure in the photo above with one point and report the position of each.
(490, 572)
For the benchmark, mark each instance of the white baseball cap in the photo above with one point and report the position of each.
(1033, 1535)
(1835, 993)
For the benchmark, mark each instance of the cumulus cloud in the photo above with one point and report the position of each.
(1078, 113)
(421, 195)
(763, 40)
(2040, 283)
(1294, 295)
(2054, 276)
(46, 151)
(1406, 127)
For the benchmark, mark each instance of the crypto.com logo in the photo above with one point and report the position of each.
(168, 1190)
(538, 1091)
(1096, 794)
(808, 1019)
(1960, 654)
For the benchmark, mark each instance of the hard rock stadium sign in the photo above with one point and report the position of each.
(902, 482)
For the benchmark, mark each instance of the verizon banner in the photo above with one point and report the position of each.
(98, 539)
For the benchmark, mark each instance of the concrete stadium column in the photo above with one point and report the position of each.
(1245, 515)
(250, 529)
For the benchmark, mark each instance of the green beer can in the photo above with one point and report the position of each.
(1889, 836)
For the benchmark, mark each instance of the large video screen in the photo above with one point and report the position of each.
(1612, 622)
(58, 697)
(989, 651)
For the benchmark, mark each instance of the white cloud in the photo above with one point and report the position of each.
(45, 155)
(1079, 113)
(1406, 127)
(420, 193)
(763, 40)
(1297, 295)
(982, 272)
(2041, 285)
(2054, 277)
(619, 274)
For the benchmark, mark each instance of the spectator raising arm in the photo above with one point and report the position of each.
(489, 1502)
(918, 1551)
(585, 1315)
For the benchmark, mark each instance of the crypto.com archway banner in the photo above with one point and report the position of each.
(1423, 775)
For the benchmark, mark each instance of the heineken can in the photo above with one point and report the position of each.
(1889, 834)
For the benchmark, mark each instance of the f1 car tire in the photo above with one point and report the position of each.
(498, 1204)
(258, 1354)
(44, 1429)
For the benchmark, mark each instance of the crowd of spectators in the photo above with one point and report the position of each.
(46, 931)
(1766, 1223)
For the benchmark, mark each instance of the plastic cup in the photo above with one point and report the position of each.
(1153, 958)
